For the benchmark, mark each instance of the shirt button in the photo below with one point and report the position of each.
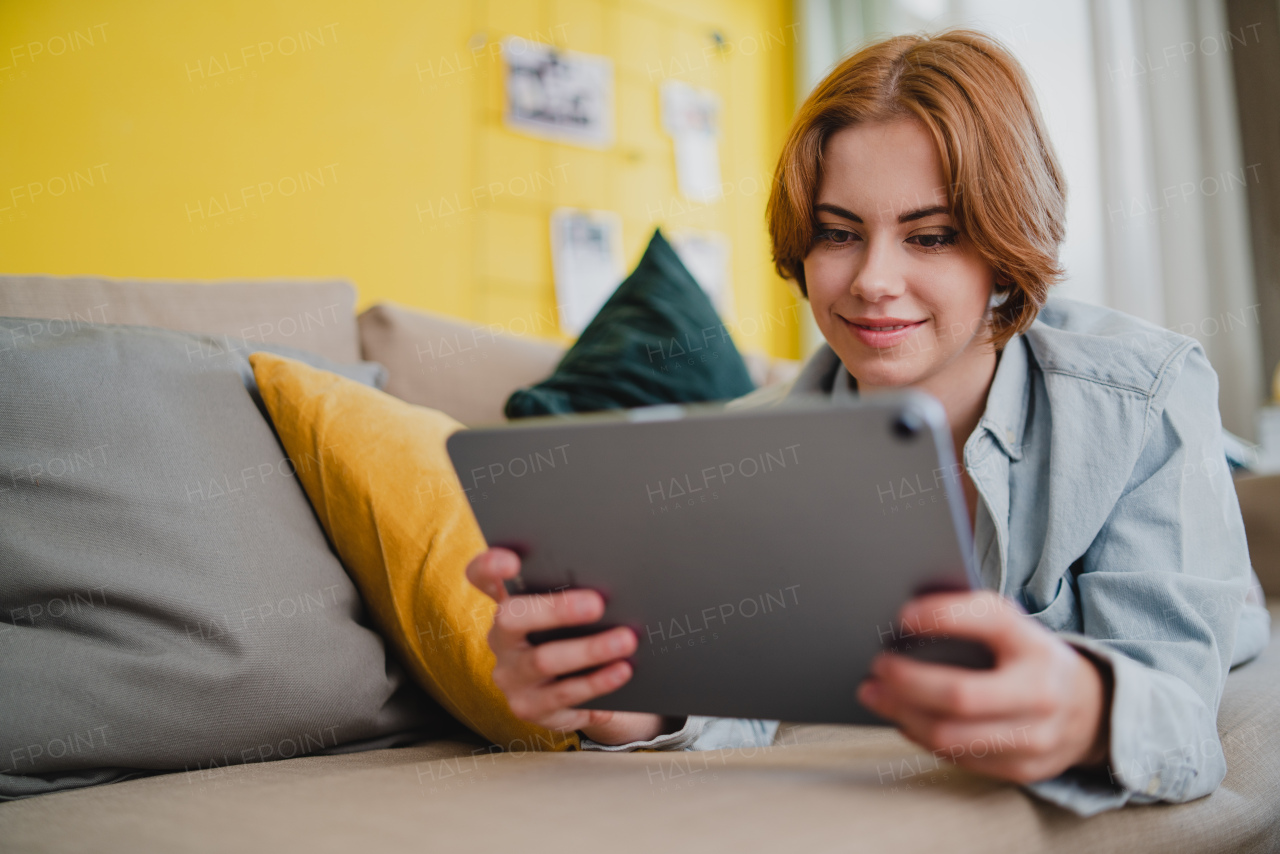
(1008, 434)
(1153, 785)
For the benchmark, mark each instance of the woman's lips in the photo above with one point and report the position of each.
(882, 336)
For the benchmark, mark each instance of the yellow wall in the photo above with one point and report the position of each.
(254, 138)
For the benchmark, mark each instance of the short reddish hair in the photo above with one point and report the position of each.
(1005, 188)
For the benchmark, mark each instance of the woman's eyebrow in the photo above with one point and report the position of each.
(838, 211)
(922, 213)
(909, 216)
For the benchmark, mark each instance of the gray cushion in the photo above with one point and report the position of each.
(167, 597)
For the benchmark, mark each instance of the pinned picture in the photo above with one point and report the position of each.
(692, 118)
(586, 257)
(705, 254)
(558, 95)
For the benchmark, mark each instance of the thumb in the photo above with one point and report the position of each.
(489, 569)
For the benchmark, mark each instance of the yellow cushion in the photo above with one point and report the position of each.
(377, 474)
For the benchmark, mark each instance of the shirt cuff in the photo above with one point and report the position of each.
(1140, 766)
(681, 739)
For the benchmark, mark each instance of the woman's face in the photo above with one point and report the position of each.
(888, 255)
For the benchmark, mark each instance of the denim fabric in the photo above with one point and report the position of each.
(1108, 512)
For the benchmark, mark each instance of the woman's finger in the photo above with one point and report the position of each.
(490, 568)
(1021, 764)
(989, 743)
(1021, 749)
(519, 615)
(539, 703)
(567, 720)
(946, 737)
(557, 658)
(941, 689)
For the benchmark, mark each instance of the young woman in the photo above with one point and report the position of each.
(919, 206)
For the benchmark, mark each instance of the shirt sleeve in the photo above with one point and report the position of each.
(1161, 590)
(700, 733)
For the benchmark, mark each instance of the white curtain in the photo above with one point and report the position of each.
(1139, 101)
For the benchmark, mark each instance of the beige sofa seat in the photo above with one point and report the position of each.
(315, 315)
(823, 789)
(819, 789)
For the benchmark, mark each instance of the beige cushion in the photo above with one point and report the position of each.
(464, 370)
(317, 316)
(1260, 506)
(820, 788)
(468, 370)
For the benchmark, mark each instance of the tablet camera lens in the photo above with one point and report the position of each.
(907, 425)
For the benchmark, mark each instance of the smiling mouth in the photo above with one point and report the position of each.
(890, 332)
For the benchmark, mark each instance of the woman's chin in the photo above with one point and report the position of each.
(882, 373)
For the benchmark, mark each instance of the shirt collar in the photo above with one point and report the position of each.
(1005, 416)
(842, 385)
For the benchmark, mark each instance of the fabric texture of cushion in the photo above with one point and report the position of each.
(393, 507)
(464, 370)
(167, 600)
(657, 339)
(316, 316)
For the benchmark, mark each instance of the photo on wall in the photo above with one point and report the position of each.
(559, 95)
(706, 255)
(586, 256)
(691, 117)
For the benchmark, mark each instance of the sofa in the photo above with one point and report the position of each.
(817, 788)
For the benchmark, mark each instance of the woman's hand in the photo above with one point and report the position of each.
(1041, 710)
(530, 676)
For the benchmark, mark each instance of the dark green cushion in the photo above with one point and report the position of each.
(657, 340)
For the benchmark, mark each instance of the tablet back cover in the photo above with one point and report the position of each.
(760, 556)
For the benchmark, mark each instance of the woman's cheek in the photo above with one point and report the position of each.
(822, 284)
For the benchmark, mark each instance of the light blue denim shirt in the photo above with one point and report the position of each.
(1107, 511)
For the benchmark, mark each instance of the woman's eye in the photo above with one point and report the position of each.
(837, 236)
(934, 241)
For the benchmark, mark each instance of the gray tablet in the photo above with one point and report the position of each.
(761, 556)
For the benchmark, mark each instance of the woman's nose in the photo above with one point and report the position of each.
(879, 275)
